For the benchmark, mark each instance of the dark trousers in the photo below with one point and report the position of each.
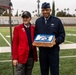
(49, 60)
(25, 69)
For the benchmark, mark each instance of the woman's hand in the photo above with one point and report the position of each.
(15, 62)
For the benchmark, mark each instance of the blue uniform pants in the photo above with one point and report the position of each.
(49, 61)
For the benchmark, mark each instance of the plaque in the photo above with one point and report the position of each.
(44, 40)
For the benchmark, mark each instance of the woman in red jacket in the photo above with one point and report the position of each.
(23, 53)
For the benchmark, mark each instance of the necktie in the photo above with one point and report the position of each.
(45, 20)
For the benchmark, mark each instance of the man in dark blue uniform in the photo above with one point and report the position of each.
(49, 57)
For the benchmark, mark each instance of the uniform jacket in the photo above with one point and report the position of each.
(54, 26)
(20, 45)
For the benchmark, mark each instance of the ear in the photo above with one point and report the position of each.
(50, 10)
(30, 18)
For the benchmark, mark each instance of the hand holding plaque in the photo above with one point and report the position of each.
(44, 40)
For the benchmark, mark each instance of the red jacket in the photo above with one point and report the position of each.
(20, 45)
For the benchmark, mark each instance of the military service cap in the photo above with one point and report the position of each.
(45, 5)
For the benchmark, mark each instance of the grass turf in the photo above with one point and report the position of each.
(67, 65)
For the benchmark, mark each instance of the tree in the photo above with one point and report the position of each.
(68, 10)
(57, 9)
(16, 13)
(61, 14)
(64, 9)
(53, 9)
(75, 11)
(73, 15)
(69, 15)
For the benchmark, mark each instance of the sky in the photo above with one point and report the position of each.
(31, 5)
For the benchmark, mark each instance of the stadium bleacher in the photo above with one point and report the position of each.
(18, 20)
(14, 20)
(68, 20)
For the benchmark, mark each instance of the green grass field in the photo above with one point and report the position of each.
(67, 65)
(70, 30)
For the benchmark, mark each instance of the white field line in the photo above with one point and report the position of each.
(5, 39)
(62, 47)
(67, 46)
(69, 34)
(68, 56)
(74, 56)
(8, 36)
(5, 49)
(69, 41)
(5, 60)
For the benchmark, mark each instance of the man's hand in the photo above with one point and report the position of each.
(54, 42)
(15, 62)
